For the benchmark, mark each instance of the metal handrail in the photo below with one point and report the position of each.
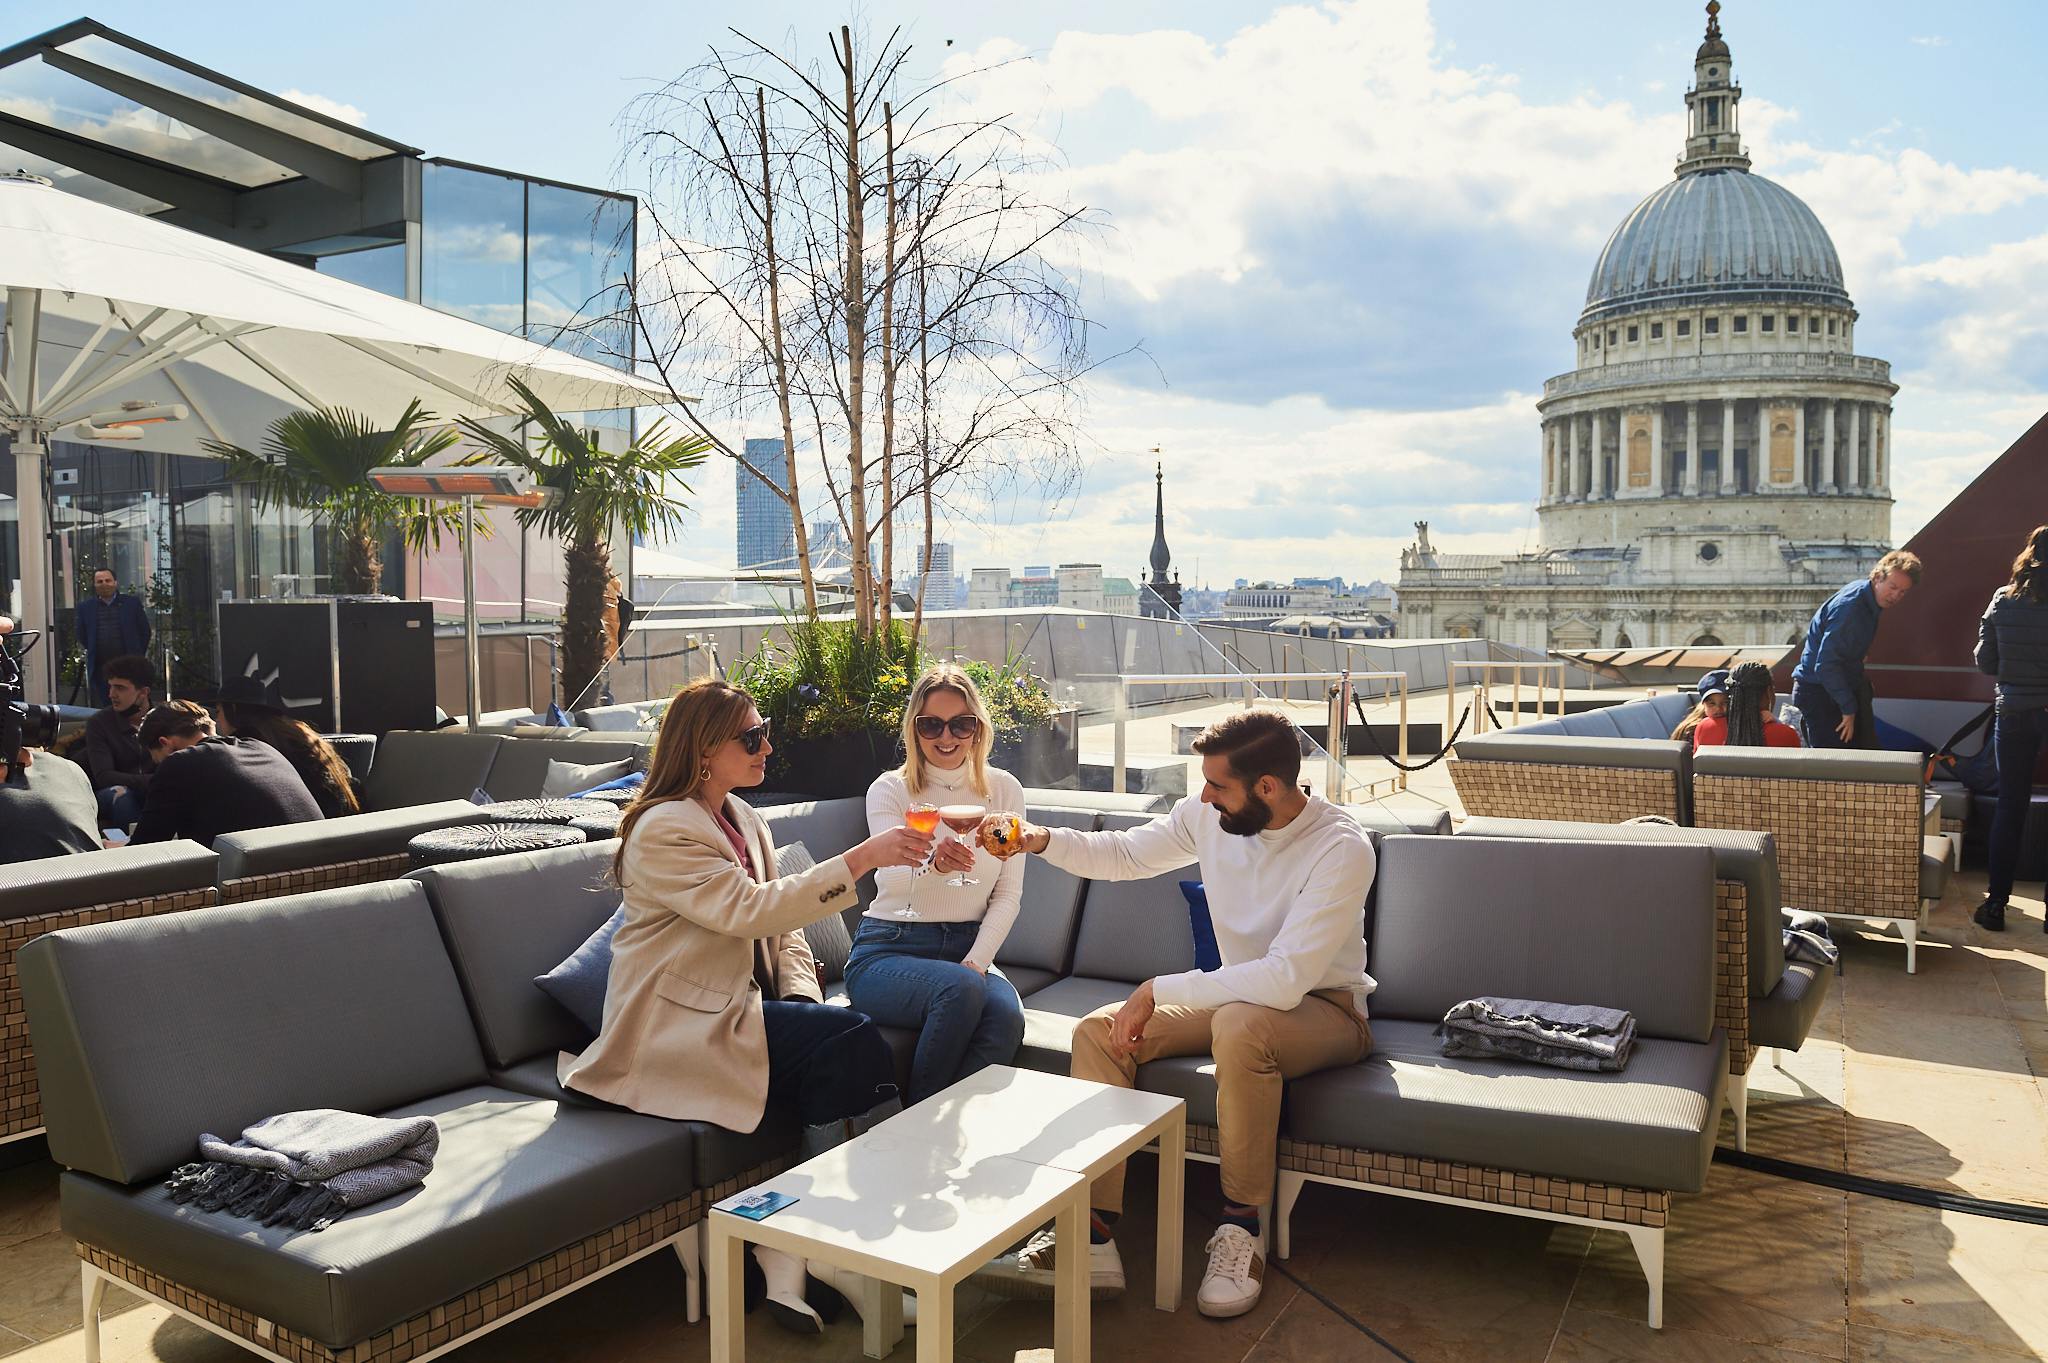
(1482, 710)
(1334, 750)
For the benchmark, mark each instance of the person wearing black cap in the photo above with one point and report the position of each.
(250, 709)
(206, 785)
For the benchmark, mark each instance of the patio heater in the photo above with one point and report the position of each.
(493, 485)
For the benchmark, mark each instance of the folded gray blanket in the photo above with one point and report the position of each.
(1807, 938)
(1572, 1036)
(304, 1169)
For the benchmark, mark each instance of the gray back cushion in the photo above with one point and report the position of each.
(1751, 858)
(108, 876)
(1611, 924)
(1641, 719)
(613, 718)
(1135, 929)
(352, 837)
(1592, 724)
(1812, 764)
(507, 919)
(1672, 708)
(1043, 935)
(521, 765)
(419, 766)
(1097, 801)
(151, 1031)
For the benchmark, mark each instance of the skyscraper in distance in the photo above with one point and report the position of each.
(765, 540)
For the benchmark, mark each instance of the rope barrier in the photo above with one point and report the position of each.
(1358, 703)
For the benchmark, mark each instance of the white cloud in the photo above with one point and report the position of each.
(321, 104)
(1929, 40)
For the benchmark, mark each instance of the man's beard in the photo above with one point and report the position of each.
(1248, 820)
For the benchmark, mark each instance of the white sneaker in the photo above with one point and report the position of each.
(1236, 1272)
(1028, 1272)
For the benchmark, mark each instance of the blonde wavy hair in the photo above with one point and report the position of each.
(947, 677)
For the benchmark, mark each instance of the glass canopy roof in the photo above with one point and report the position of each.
(120, 121)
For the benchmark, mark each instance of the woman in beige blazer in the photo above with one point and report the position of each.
(712, 1008)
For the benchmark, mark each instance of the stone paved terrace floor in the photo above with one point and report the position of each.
(1936, 1079)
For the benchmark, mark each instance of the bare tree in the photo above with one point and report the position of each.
(758, 173)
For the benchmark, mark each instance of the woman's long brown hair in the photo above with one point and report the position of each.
(2027, 576)
(302, 746)
(703, 715)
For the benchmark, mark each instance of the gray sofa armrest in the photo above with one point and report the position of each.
(1812, 764)
(54, 884)
(1641, 753)
(353, 837)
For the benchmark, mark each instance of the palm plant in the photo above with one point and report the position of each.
(319, 461)
(591, 492)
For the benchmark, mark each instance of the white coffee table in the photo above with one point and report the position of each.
(930, 1195)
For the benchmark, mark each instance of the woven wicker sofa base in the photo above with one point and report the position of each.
(21, 1104)
(1466, 1182)
(276, 884)
(474, 1311)
(1541, 790)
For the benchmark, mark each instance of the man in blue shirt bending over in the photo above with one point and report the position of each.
(1828, 683)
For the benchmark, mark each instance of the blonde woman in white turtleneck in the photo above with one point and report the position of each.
(925, 953)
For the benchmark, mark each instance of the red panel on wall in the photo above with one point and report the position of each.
(1924, 648)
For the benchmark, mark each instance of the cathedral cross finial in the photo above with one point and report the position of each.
(1713, 19)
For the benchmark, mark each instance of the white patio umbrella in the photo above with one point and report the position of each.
(106, 306)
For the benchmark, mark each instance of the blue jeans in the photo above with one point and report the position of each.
(909, 975)
(2018, 737)
(1819, 716)
(825, 1063)
(119, 811)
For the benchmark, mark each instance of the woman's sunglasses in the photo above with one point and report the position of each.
(752, 739)
(961, 726)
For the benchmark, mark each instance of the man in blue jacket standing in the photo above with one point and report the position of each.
(1828, 683)
(110, 625)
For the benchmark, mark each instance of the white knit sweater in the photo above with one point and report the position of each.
(993, 903)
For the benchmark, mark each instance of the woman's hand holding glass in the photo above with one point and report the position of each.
(890, 847)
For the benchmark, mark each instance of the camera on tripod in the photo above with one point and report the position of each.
(21, 725)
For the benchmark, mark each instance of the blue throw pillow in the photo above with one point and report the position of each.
(1207, 957)
(578, 984)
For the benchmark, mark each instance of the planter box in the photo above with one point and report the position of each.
(1045, 759)
(847, 764)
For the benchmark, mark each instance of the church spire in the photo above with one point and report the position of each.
(1161, 597)
(1714, 140)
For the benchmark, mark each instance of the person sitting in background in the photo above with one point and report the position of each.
(1748, 723)
(120, 769)
(249, 709)
(206, 785)
(47, 808)
(2012, 646)
(1712, 704)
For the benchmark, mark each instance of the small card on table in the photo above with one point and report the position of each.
(755, 1206)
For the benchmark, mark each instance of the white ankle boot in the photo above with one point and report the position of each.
(852, 1286)
(784, 1275)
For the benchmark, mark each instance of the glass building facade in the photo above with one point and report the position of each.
(533, 257)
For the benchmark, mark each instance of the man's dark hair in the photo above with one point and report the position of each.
(1257, 743)
(172, 719)
(108, 571)
(132, 668)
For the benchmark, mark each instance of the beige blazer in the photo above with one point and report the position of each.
(683, 1035)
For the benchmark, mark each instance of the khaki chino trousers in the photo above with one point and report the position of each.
(1256, 1050)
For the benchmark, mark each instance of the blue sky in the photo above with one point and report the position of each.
(1352, 238)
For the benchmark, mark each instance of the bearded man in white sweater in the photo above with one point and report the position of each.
(1286, 876)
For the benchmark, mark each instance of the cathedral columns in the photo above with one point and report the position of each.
(1728, 447)
(1827, 446)
(1692, 449)
(1855, 469)
(1599, 486)
(1660, 473)
(1799, 445)
(1574, 488)
(1880, 463)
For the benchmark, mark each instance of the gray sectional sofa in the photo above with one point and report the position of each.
(415, 996)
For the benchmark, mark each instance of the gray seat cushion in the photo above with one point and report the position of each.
(418, 767)
(352, 837)
(1615, 924)
(53, 884)
(717, 1154)
(150, 1031)
(1050, 1014)
(508, 919)
(1751, 858)
(1784, 1017)
(1955, 799)
(1042, 937)
(520, 769)
(516, 1178)
(1028, 979)
(1651, 1125)
(1933, 867)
